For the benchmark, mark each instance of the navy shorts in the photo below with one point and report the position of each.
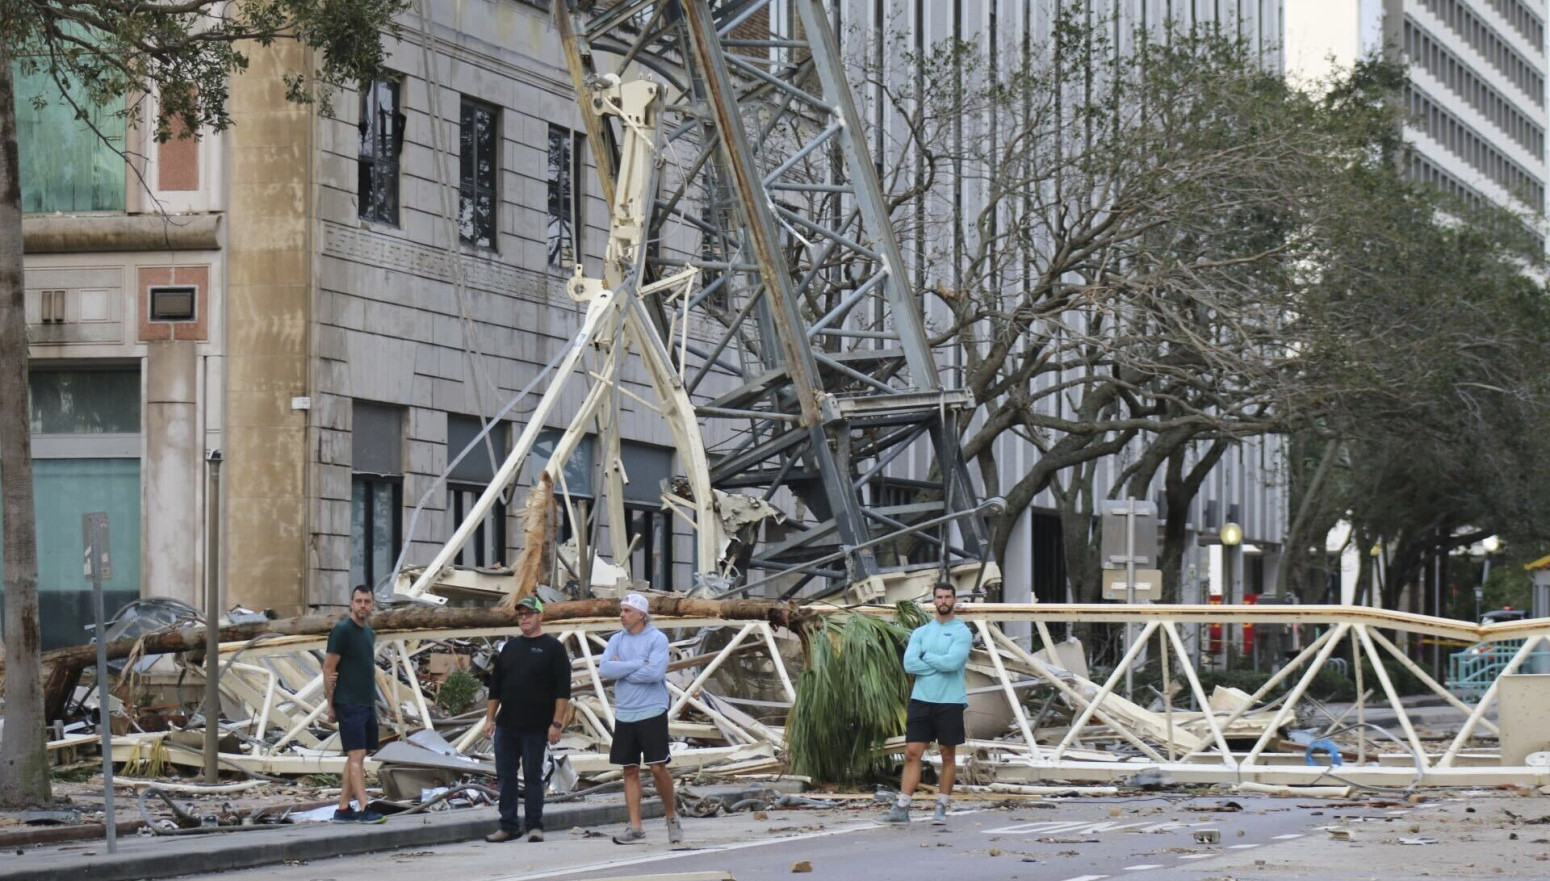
(640, 743)
(939, 723)
(357, 726)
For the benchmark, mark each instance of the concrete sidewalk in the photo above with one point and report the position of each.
(158, 856)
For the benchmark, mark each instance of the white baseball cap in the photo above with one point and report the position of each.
(637, 602)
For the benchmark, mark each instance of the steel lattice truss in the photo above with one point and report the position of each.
(732, 120)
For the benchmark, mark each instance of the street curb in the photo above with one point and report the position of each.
(215, 852)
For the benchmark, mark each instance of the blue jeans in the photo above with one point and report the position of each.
(525, 749)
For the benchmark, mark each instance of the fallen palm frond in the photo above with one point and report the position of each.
(851, 697)
(537, 537)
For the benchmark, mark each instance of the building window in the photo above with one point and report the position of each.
(85, 401)
(466, 482)
(478, 162)
(376, 492)
(68, 162)
(382, 137)
(85, 457)
(566, 162)
(649, 469)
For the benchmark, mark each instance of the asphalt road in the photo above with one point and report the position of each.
(1076, 840)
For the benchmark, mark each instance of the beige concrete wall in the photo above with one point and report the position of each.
(172, 473)
(269, 284)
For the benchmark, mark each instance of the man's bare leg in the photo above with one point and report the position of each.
(632, 794)
(664, 782)
(949, 769)
(352, 784)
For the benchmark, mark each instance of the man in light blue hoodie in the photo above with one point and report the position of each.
(636, 659)
(936, 655)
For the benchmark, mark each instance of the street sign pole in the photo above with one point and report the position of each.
(1124, 550)
(94, 534)
(213, 621)
(1130, 589)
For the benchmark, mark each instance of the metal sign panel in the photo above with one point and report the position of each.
(94, 533)
(1148, 584)
(1144, 549)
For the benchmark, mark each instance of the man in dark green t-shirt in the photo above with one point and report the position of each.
(350, 684)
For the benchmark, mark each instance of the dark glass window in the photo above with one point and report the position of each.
(382, 136)
(375, 527)
(565, 196)
(85, 401)
(376, 491)
(478, 162)
(466, 481)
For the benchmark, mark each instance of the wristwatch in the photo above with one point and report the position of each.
(560, 725)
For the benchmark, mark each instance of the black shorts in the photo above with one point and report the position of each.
(640, 743)
(357, 726)
(939, 723)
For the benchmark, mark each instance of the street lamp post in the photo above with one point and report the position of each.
(1491, 544)
(1231, 535)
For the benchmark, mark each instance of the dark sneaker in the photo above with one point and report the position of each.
(535, 834)
(675, 831)
(630, 835)
(897, 814)
(371, 817)
(345, 815)
(503, 835)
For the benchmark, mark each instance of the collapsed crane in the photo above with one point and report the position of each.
(752, 272)
(751, 267)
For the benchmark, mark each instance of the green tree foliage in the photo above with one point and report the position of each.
(107, 54)
(1424, 400)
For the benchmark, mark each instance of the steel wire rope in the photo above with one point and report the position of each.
(473, 344)
(414, 516)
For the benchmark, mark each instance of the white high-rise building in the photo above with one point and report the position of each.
(1476, 91)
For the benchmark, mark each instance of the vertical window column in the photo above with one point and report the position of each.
(382, 138)
(478, 165)
(466, 482)
(376, 492)
(565, 220)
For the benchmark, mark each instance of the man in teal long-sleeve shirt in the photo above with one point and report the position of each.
(936, 655)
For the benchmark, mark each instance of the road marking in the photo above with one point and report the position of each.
(1143, 867)
(1241, 846)
(1044, 826)
(1088, 878)
(1080, 828)
(1289, 836)
(1197, 856)
(679, 854)
(1161, 827)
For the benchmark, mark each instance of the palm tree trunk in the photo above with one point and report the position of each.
(23, 757)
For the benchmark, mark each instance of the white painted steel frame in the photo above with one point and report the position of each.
(1021, 757)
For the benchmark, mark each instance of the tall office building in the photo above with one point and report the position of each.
(1476, 91)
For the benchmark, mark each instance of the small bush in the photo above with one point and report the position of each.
(456, 692)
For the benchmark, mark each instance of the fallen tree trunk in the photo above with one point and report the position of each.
(62, 667)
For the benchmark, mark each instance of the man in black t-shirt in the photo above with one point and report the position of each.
(529, 694)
